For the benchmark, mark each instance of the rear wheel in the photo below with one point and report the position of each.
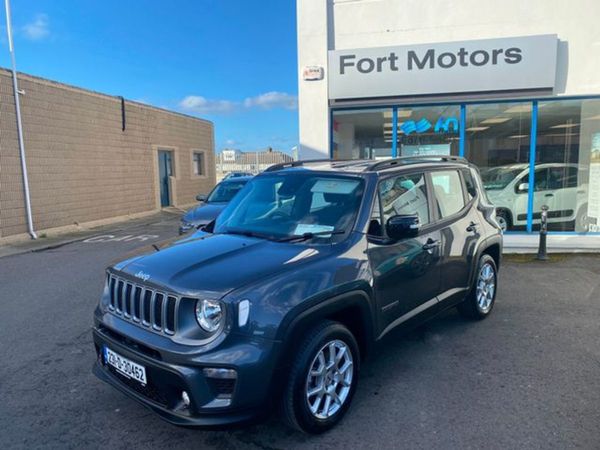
(481, 298)
(322, 379)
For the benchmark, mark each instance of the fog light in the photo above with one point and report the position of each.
(214, 372)
(186, 399)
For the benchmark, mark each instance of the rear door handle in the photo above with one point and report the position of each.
(549, 195)
(472, 227)
(431, 244)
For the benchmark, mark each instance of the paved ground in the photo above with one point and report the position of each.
(528, 377)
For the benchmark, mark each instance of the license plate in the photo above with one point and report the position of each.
(125, 366)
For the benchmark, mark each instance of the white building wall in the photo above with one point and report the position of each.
(313, 107)
(378, 23)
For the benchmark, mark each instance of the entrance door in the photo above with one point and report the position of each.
(165, 170)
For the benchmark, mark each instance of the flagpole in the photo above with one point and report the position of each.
(19, 122)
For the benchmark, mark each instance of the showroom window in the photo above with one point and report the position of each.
(497, 140)
(433, 130)
(567, 154)
(551, 145)
(363, 134)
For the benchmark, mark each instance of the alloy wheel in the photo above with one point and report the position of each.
(329, 379)
(486, 287)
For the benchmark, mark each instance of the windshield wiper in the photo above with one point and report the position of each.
(309, 235)
(249, 234)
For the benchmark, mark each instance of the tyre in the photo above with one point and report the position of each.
(504, 219)
(480, 301)
(322, 379)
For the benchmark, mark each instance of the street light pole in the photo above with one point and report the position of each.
(19, 122)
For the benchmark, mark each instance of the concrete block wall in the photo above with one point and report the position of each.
(82, 166)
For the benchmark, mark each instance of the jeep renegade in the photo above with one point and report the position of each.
(283, 295)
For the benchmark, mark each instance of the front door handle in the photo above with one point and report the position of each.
(431, 244)
(549, 195)
(472, 227)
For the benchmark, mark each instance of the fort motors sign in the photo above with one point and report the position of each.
(485, 65)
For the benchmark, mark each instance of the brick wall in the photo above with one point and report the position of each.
(82, 166)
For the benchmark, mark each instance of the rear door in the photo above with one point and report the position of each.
(458, 222)
(406, 273)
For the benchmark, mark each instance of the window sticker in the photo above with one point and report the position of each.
(335, 186)
(302, 228)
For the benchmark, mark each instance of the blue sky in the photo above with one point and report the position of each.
(230, 61)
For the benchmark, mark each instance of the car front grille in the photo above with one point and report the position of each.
(150, 308)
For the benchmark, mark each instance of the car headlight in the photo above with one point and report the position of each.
(210, 315)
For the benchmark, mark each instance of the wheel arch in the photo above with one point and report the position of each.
(490, 246)
(352, 309)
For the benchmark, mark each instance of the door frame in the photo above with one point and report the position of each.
(156, 148)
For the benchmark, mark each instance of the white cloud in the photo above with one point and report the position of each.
(268, 100)
(231, 142)
(202, 105)
(273, 99)
(37, 29)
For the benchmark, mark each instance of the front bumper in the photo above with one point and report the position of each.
(169, 375)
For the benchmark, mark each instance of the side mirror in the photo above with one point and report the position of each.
(523, 187)
(403, 226)
(209, 227)
(201, 197)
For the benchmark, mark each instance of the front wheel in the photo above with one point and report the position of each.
(504, 219)
(481, 298)
(322, 379)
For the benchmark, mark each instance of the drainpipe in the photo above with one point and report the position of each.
(19, 123)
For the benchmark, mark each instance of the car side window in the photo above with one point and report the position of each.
(541, 180)
(404, 194)
(470, 184)
(448, 192)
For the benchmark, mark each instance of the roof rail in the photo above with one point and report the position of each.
(385, 164)
(298, 163)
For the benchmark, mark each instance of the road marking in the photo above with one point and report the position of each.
(126, 238)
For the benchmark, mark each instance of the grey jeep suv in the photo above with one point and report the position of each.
(283, 297)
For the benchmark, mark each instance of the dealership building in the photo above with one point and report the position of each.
(512, 86)
(93, 158)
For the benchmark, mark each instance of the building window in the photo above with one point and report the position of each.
(497, 140)
(198, 163)
(362, 134)
(497, 137)
(567, 157)
(428, 130)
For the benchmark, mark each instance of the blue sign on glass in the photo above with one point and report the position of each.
(443, 125)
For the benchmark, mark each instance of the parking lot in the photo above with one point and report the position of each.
(527, 377)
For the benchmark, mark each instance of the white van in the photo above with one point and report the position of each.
(555, 186)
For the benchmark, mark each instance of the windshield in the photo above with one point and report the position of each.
(498, 178)
(224, 192)
(294, 204)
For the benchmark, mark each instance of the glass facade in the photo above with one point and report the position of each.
(530, 153)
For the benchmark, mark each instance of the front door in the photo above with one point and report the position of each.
(165, 170)
(406, 273)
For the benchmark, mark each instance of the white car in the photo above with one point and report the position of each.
(556, 185)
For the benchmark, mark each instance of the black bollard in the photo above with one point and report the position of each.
(542, 254)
